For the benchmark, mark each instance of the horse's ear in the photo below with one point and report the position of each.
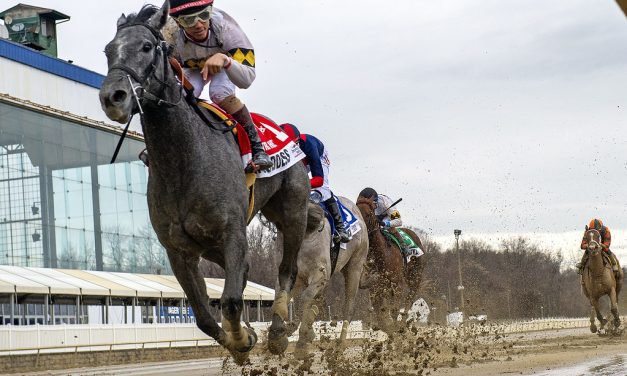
(159, 19)
(121, 20)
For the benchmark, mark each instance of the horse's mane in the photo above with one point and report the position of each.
(142, 16)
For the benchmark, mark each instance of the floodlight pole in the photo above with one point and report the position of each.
(457, 233)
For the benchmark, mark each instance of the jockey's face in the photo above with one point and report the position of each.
(198, 31)
(196, 25)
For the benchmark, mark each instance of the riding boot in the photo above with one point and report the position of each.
(582, 263)
(401, 241)
(261, 160)
(334, 210)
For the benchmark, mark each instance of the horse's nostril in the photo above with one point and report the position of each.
(118, 96)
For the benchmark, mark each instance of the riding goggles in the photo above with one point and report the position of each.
(190, 20)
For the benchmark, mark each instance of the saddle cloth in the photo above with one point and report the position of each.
(283, 152)
(351, 224)
(412, 247)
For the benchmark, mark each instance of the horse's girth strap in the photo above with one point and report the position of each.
(250, 184)
(180, 74)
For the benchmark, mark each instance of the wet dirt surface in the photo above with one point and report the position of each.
(419, 351)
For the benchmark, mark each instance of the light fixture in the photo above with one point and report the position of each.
(36, 236)
(35, 209)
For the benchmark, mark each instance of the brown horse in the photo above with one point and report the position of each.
(598, 280)
(392, 284)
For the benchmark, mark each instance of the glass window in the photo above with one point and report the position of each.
(65, 158)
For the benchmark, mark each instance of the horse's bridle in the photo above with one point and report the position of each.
(143, 81)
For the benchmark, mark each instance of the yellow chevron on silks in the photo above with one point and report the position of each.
(243, 56)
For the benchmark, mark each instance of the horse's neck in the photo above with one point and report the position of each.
(596, 263)
(175, 137)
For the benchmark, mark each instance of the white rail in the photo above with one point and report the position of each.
(16, 340)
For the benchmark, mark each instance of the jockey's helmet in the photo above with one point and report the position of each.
(596, 224)
(369, 193)
(186, 7)
(291, 131)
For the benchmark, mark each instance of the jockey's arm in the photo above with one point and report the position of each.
(395, 218)
(607, 239)
(240, 67)
(313, 157)
(584, 241)
(241, 73)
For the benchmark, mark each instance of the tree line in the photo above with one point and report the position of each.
(516, 280)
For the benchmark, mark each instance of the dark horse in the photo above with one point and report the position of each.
(392, 284)
(197, 196)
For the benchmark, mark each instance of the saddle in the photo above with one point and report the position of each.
(350, 223)
(412, 249)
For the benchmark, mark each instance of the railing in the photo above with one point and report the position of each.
(40, 339)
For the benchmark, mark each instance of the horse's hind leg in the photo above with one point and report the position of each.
(185, 269)
(292, 226)
(593, 327)
(351, 285)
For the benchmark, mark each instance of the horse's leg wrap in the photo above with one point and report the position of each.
(242, 339)
(344, 333)
(279, 306)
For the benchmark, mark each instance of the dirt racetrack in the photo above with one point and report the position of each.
(428, 351)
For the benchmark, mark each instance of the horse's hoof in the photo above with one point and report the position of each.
(593, 328)
(240, 358)
(301, 352)
(307, 336)
(277, 342)
(252, 340)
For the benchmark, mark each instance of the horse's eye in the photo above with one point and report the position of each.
(147, 47)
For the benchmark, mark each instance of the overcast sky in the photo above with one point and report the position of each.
(493, 116)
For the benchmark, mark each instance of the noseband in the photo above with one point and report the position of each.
(140, 93)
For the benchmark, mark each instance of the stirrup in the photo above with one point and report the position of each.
(343, 236)
(261, 161)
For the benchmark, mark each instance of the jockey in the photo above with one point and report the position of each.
(606, 240)
(214, 50)
(317, 162)
(389, 217)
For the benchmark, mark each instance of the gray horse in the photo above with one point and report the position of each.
(314, 271)
(197, 196)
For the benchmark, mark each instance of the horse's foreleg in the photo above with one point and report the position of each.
(186, 271)
(593, 327)
(239, 339)
(614, 309)
(597, 310)
(310, 311)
